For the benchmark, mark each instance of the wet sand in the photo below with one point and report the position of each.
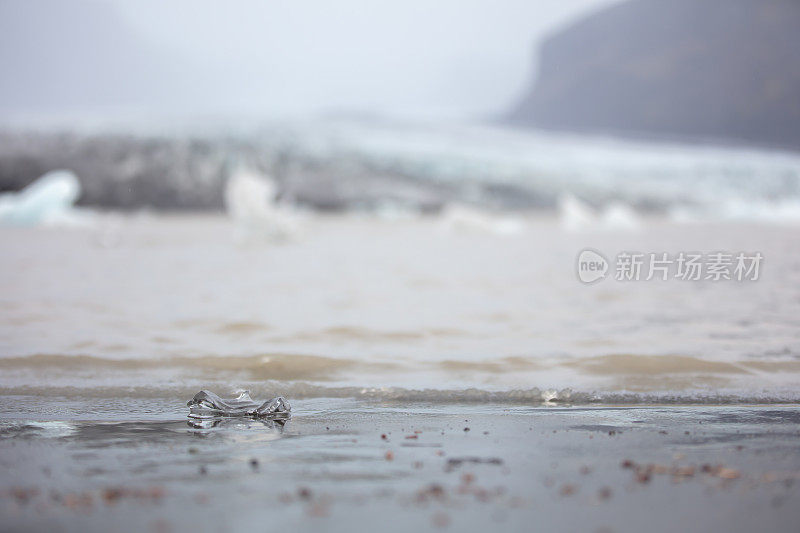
(346, 465)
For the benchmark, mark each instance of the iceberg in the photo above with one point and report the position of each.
(619, 216)
(575, 215)
(47, 201)
(250, 202)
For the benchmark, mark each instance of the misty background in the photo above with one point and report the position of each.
(463, 59)
(681, 108)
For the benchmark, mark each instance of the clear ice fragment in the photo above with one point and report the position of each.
(206, 404)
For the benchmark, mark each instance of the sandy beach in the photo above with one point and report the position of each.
(342, 465)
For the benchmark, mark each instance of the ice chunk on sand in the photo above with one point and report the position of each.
(206, 404)
(47, 201)
(250, 202)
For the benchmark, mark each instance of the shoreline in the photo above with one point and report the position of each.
(341, 465)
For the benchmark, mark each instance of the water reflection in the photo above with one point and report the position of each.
(237, 423)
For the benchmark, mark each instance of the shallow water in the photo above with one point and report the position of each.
(399, 309)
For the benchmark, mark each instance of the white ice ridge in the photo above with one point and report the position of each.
(47, 201)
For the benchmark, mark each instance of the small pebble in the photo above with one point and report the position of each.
(728, 473)
(568, 490)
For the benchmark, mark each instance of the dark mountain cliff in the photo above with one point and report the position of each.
(724, 70)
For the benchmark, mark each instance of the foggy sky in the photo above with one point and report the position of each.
(455, 58)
